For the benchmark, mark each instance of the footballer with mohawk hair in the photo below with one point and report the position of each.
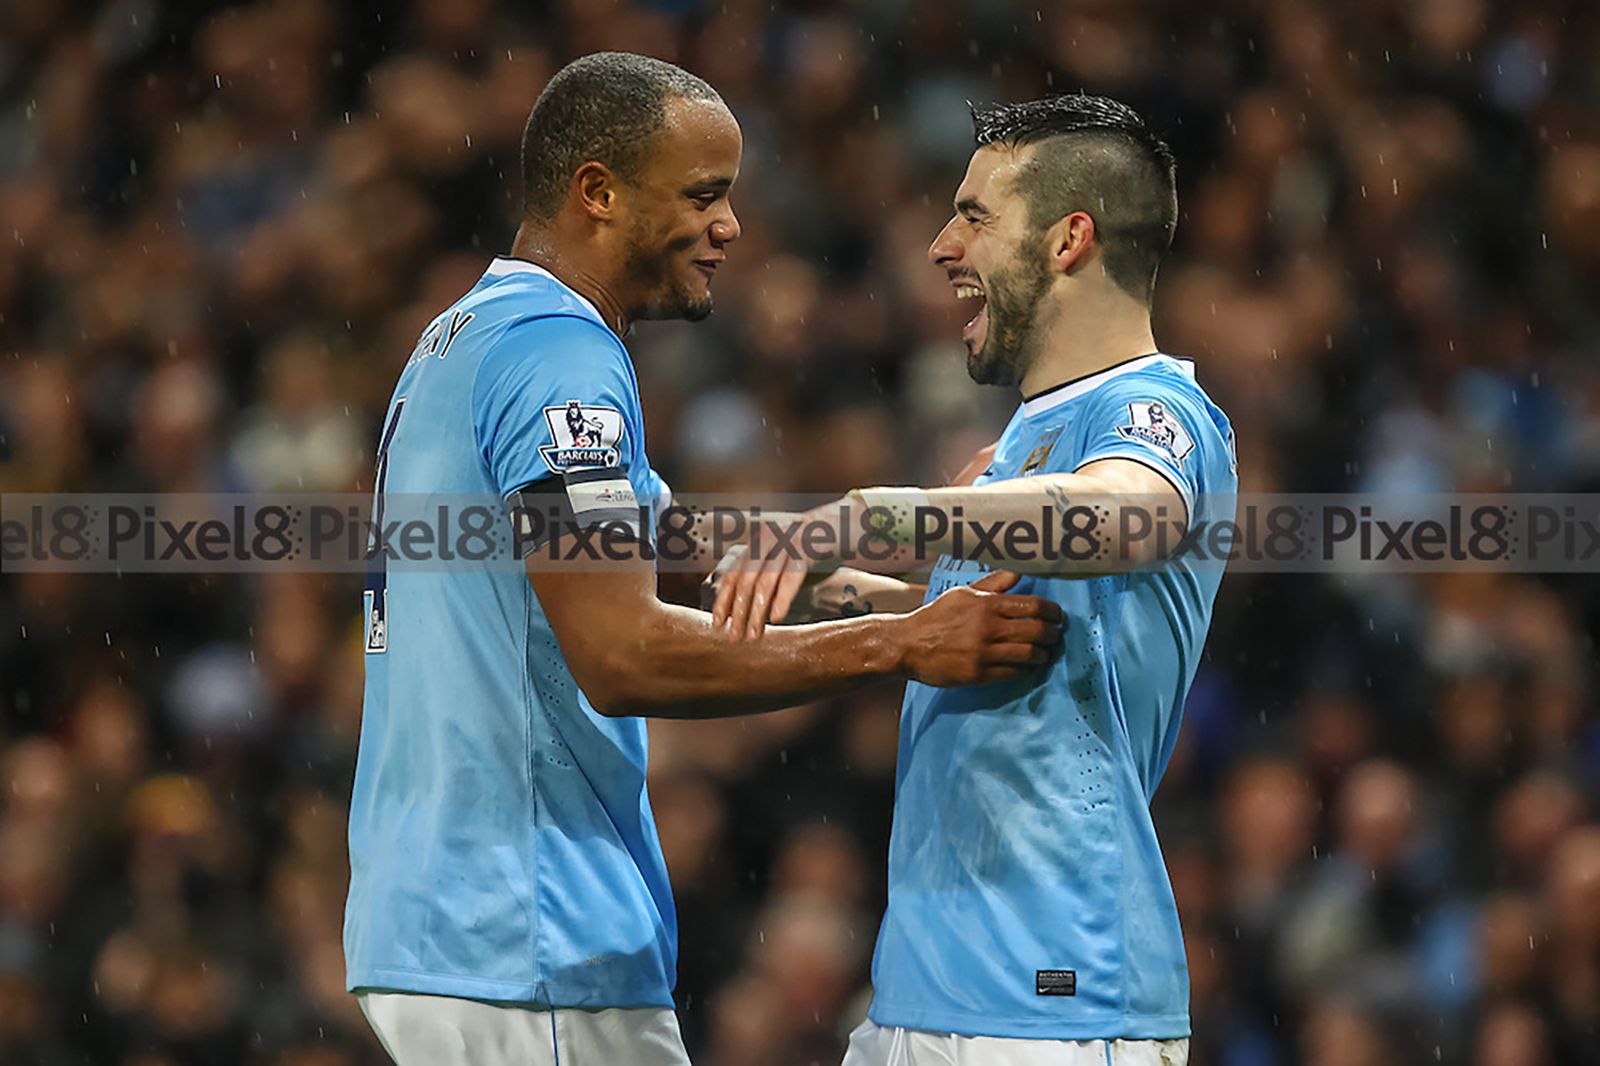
(1030, 916)
(509, 900)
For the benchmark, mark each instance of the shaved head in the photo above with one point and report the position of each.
(607, 108)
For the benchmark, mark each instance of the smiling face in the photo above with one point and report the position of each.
(996, 260)
(679, 215)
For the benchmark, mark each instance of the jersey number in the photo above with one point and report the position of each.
(375, 600)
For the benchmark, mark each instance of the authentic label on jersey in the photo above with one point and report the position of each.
(1056, 982)
(584, 436)
(1151, 424)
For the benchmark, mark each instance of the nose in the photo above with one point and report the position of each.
(725, 229)
(945, 249)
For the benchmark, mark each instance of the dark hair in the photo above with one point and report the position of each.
(605, 107)
(1097, 156)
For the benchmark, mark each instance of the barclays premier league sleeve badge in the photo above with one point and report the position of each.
(585, 436)
(1151, 424)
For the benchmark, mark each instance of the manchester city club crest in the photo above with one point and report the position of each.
(1041, 452)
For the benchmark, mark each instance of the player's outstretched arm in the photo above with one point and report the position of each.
(848, 592)
(754, 591)
(634, 655)
(1110, 487)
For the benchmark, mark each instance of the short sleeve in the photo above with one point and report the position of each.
(1158, 423)
(553, 398)
(658, 494)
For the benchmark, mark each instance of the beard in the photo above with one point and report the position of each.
(1011, 300)
(656, 269)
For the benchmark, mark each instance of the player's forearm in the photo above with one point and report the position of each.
(1069, 524)
(848, 593)
(675, 665)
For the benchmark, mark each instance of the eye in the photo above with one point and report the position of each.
(705, 199)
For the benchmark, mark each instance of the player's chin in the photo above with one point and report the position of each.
(977, 365)
(698, 309)
(694, 301)
(680, 305)
(986, 367)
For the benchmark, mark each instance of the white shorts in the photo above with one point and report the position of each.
(874, 1045)
(419, 1030)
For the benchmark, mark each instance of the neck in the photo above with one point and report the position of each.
(568, 261)
(1079, 341)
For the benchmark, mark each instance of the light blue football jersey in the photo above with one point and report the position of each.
(502, 845)
(1027, 892)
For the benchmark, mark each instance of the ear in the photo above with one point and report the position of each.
(595, 187)
(1069, 241)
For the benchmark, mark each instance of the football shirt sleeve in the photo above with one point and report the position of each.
(554, 415)
(657, 497)
(1153, 422)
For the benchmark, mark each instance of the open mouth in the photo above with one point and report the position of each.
(708, 267)
(974, 329)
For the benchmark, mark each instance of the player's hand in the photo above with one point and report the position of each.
(751, 590)
(974, 634)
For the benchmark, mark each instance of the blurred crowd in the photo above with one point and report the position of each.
(225, 225)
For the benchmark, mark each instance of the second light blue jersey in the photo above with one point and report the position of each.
(1027, 892)
(501, 841)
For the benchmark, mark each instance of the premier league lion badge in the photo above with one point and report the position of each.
(1149, 423)
(584, 437)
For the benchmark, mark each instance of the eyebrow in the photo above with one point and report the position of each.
(709, 185)
(971, 205)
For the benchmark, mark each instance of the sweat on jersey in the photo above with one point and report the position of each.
(1027, 892)
(502, 845)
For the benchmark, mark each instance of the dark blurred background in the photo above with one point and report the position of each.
(225, 224)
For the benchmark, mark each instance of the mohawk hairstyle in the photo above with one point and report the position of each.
(1096, 155)
(606, 107)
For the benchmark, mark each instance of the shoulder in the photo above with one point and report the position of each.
(1165, 389)
(1158, 409)
(1168, 375)
(528, 314)
(529, 289)
(555, 350)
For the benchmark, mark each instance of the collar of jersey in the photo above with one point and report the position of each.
(504, 265)
(1057, 395)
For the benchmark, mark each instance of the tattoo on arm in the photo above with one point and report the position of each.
(1059, 497)
(850, 608)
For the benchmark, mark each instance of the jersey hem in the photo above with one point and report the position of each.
(544, 993)
(1094, 1027)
